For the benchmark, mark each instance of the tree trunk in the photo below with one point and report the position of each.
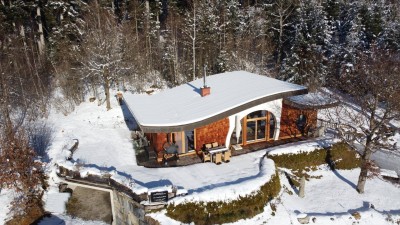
(107, 88)
(367, 150)
(40, 27)
(364, 168)
(278, 61)
(194, 41)
(8, 126)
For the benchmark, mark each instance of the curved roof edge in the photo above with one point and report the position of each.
(191, 126)
(311, 101)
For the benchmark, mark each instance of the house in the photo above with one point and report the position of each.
(233, 109)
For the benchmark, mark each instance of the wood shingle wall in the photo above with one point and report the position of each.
(289, 119)
(214, 132)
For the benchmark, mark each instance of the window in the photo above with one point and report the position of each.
(259, 126)
(171, 138)
(301, 122)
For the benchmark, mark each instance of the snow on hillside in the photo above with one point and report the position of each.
(105, 147)
(55, 202)
(303, 146)
(5, 200)
(67, 220)
(328, 200)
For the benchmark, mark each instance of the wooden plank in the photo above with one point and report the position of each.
(244, 130)
(194, 139)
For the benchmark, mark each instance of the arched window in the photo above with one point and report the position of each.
(258, 126)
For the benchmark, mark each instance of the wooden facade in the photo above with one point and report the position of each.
(293, 124)
(157, 140)
(214, 132)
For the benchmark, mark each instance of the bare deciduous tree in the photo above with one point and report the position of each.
(372, 103)
(23, 98)
(21, 172)
(101, 57)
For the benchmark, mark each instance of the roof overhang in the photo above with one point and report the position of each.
(182, 108)
(311, 101)
(191, 126)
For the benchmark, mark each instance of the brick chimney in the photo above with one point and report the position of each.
(205, 90)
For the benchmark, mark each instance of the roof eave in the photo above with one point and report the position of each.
(197, 124)
(304, 106)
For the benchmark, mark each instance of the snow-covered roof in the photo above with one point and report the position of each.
(183, 108)
(317, 100)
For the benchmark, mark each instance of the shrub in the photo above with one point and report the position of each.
(226, 212)
(342, 156)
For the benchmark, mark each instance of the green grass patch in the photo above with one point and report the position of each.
(225, 212)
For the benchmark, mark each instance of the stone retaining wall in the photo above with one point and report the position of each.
(127, 211)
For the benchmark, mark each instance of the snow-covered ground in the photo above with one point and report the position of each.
(55, 202)
(67, 220)
(330, 200)
(105, 147)
(5, 199)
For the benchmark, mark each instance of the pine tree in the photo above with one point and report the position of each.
(371, 20)
(282, 14)
(307, 62)
(345, 42)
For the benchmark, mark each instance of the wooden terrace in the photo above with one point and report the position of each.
(150, 160)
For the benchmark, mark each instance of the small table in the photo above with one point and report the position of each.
(217, 152)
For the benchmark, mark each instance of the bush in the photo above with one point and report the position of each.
(344, 157)
(340, 155)
(40, 138)
(300, 161)
(226, 212)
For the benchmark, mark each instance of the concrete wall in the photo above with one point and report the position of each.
(127, 211)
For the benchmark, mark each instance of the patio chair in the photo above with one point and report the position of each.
(227, 156)
(218, 158)
(160, 156)
(206, 156)
(214, 144)
(207, 146)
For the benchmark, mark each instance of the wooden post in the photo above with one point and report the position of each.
(302, 187)
(244, 130)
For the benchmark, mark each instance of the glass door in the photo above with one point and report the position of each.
(251, 131)
(260, 127)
